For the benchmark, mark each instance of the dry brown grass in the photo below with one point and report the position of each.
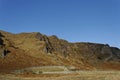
(82, 75)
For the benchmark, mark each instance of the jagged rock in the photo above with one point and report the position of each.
(1, 52)
(40, 36)
(115, 52)
(1, 47)
(1, 41)
(48, 48)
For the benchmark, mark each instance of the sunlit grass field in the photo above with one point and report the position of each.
(78, 75)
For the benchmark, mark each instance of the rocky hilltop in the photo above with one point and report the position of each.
(35, 49)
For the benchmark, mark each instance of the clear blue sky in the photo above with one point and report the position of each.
(74, 20)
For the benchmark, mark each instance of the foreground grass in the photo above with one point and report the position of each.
(79, 75)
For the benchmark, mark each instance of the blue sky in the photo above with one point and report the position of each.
(95, 21)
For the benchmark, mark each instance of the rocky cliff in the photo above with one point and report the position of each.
(35, 49)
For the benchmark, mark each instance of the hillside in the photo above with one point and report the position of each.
(35, 49)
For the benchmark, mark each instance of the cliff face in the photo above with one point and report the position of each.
(35, 49)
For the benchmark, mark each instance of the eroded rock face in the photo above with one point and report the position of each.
(59, 46)
(48, 47)
(98, 53)
(116, 53)
(1, 41)
(1, 47)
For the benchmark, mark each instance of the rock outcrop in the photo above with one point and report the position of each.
(36, 49)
